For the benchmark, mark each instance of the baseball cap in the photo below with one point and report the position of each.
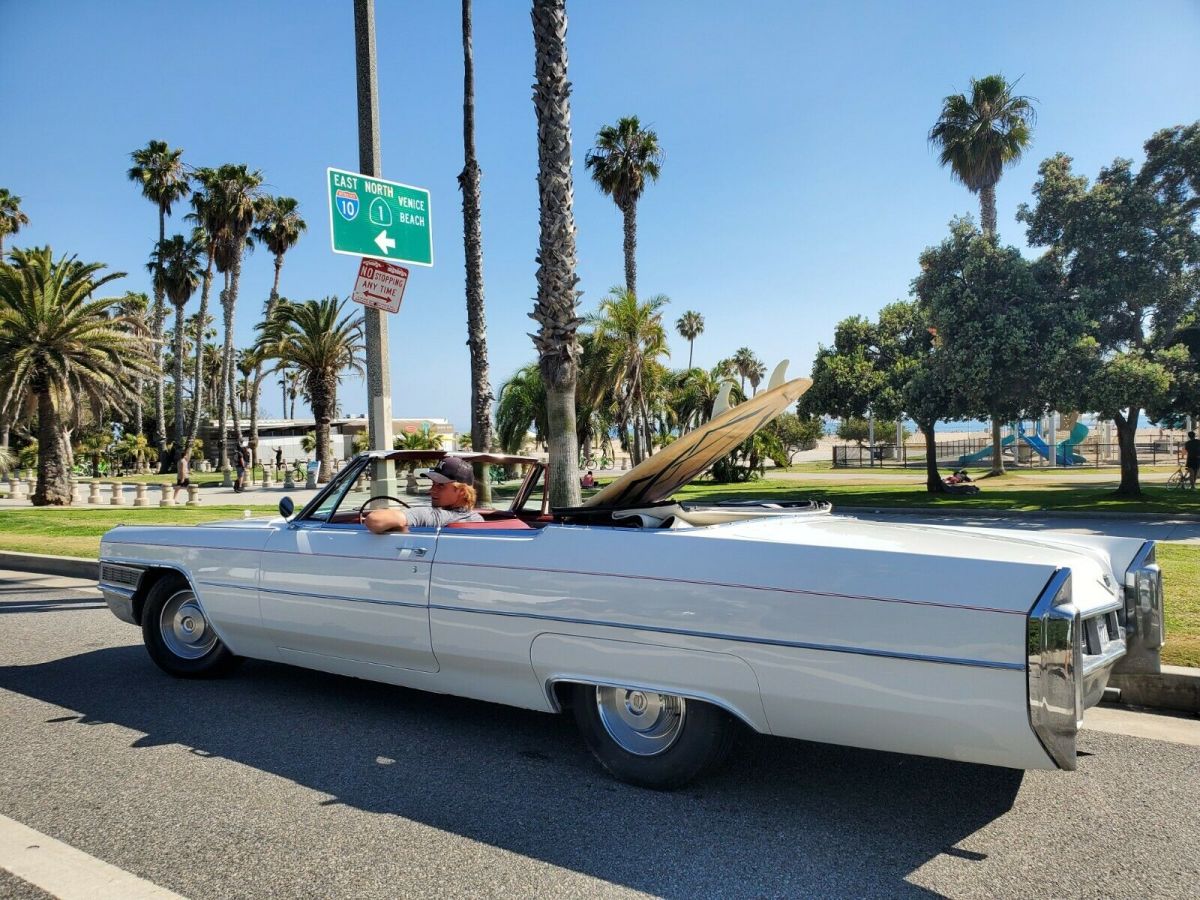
(451, 468)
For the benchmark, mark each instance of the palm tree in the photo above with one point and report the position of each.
(690, 326)
(744, 362)
(279, 228)
(468, 181)
(234, 196)
(315, 338)
(11, 217)
(630, 338)
(625, 156)
(178, 262)
(132, 308)
(204, 214)
(521, 406)
(555, 311)
(160, 172)
(755, 374)
(60, 346)
(979, 136)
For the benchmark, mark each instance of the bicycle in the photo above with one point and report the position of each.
(1180, 479)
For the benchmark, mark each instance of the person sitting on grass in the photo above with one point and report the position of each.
(452, 493)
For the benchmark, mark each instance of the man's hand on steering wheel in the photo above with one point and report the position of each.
(362, 510)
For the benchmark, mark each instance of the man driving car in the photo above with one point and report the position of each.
(452, 493)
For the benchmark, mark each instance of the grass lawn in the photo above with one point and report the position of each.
(76, 532)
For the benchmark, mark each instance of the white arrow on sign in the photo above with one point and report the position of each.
(384, 242)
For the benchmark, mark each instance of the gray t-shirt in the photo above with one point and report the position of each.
(436, 516)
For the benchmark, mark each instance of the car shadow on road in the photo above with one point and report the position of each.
(783, 816)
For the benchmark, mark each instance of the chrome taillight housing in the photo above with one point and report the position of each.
(1142, 615)
(1055, 647)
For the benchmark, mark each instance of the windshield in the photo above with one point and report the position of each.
(323, 505)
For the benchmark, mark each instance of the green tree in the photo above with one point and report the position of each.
(1130, 253)
(630, 339)
(132, 308)
(320, 342)
(177, 264)
(12, 218)
(891, 367)
(690, 326)
(59, 346)
(520, 407)
(158, 169)
(857, 429)
(625, 157)
(555, 310)
(469, 182)
(796, 433)
(980, 135)
(279, 228)
(744, 363)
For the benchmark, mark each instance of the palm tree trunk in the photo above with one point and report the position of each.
(469, 182)
(691, 341)
(223, 384)
(630, 214)
(198, 368)
(933, 478)
(52, 487)
(271, 301)
(180, 345)
(987, 208)
(997, 456)
(1130, 486)
(324, 398)
(555, 309)
(158, 316)
(233, 408)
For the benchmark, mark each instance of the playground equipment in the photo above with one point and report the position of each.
(979, 456)
(1064, 450)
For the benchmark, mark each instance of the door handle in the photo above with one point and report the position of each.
(408, 552)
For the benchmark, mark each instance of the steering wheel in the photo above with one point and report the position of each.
(362, 510)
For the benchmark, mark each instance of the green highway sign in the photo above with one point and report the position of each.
(384, 219)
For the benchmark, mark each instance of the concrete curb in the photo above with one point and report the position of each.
(42, 564)
(960, 511)
(1176, 687)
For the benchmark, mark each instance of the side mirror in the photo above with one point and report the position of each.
(286, 507)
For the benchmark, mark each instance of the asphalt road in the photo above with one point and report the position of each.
(278, 782)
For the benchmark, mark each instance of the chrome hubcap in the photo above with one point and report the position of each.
(183, 627)
(642, 723)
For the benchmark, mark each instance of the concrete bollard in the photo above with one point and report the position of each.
(77, 493)
(118, 494)
(140, 495)
(94, 492)
(266, 481)
(168, 495)
(193, 495)
(30, 486)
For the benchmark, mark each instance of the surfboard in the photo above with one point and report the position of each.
(657, 478)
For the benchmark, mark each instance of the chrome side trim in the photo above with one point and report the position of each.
(1055, 670)
(745, 639)
(1142, 614)
(330, 596)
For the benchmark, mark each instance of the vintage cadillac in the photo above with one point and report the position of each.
(665, 626)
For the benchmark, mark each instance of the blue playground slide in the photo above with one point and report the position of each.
(979, 456)
(1065, 454)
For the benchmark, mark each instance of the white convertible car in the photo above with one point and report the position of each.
(663, 625)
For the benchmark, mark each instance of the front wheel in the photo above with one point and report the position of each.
(653, 740)
(178, 636)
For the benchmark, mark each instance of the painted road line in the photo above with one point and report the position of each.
(67, 873)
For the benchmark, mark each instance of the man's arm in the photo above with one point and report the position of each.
(381, 521)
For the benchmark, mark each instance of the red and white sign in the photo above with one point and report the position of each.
(380, 285)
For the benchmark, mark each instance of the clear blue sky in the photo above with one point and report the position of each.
(798, 186)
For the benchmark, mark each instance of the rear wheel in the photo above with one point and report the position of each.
(660, 741)
(178, 636)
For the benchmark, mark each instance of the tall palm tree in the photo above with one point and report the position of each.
(11, 216)
(205, 214)
(630, 339)
(59, 346)
(980, 135)
(468, 181)
(690, 326)
(755, 374)
(279, 228)
(977, 138)
(178, 261)
(555, 311)
(234, 195)
(160, 172)
(625, 156)
(132, 308)
(744, 362)
(316, 339)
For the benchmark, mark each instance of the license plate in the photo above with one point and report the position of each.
(1102, 631)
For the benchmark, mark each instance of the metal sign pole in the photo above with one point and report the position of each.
(379, 380)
